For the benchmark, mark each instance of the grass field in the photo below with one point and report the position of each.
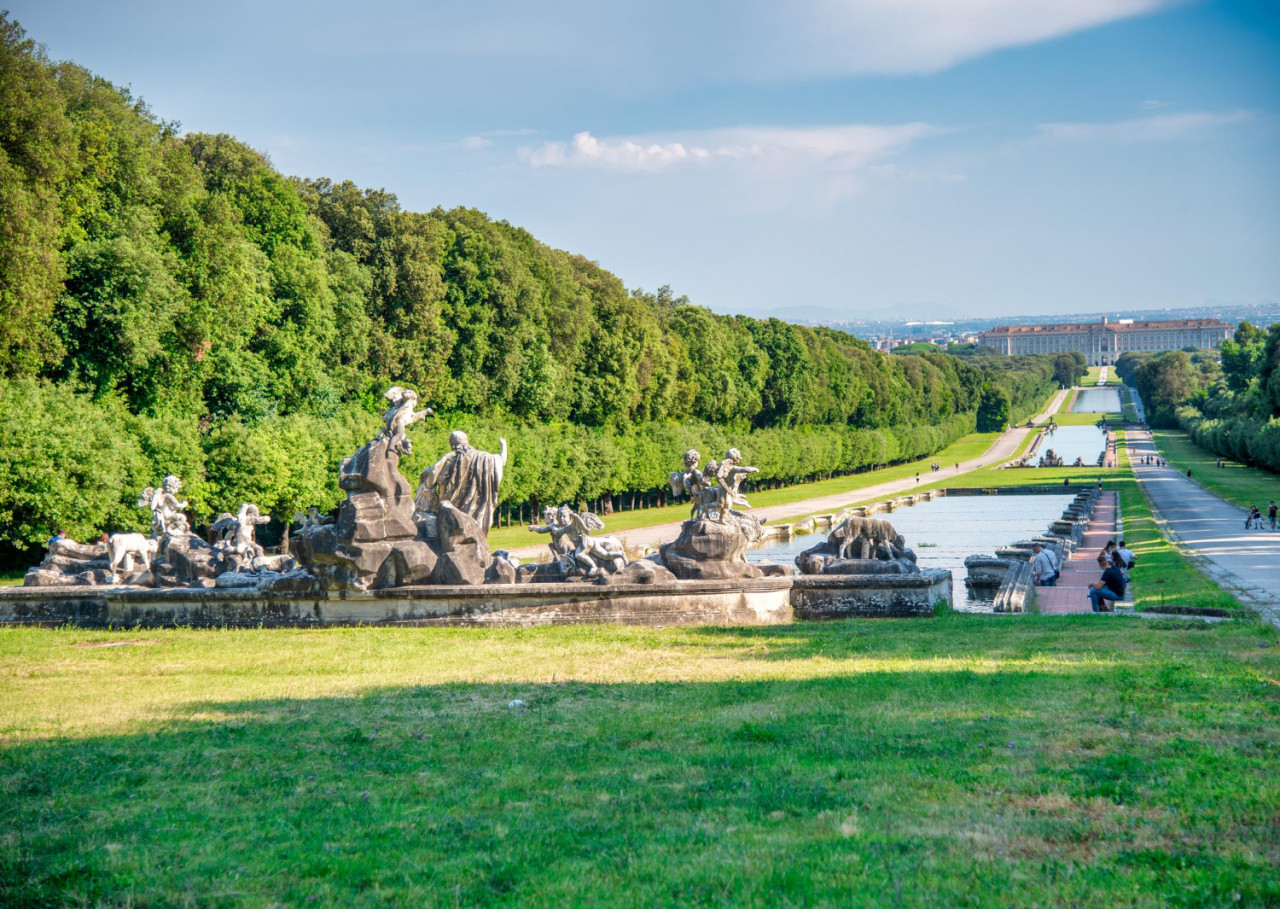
(1238, 484)
(1091, 377)
(962, 760)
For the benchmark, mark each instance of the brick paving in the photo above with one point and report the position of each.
(1081, 569)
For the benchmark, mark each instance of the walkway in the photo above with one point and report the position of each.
(1000, 451)
(1081, 569)
(1247, 562)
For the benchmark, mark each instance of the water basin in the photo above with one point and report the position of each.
(1097, 400)
(943, 532)
(1071, 442)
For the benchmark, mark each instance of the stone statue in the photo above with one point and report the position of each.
(859, 545)
(588, 552)
(124, 548)
(466, 478)
(556, 524)
(695, 484)
(729, 474)
(400, 417)
(167, 512)
(238, 544)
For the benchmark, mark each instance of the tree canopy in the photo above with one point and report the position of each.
(218, 319)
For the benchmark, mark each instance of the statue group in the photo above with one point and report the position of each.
(386, 534)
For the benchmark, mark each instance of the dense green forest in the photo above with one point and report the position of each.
(1228, 400)
(169, 302)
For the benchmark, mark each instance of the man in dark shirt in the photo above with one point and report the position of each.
(1108, 588)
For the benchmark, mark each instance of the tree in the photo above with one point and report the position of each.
(993, 409)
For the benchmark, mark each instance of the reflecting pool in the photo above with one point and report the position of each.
(1097, 400)
(1071, 442)
(943, 532)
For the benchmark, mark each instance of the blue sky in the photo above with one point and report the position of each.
(865, 158)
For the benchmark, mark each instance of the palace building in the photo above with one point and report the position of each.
(1103, 342)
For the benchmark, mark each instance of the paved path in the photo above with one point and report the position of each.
(1244, 561)
(1081, 569)
(1000, 451)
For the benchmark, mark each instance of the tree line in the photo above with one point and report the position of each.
(170, 303)
(1227, 400)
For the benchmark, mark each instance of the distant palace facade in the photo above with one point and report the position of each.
(1103, 342)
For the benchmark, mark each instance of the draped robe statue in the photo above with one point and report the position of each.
(466, 478)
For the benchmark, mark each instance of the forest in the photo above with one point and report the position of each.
(1227, 400)
(171, 303)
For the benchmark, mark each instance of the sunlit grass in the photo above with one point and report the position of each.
(969, 760)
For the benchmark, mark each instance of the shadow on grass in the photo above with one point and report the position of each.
(1065, 785)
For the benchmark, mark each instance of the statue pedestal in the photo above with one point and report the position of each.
(709, 550)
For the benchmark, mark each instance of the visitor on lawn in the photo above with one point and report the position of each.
(1045, 566)
(1108, 588)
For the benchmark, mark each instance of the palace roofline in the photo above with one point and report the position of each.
(1074, 327)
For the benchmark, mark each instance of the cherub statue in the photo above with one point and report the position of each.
(586, 548)
(237, 533)
(696, 485)
(729, 473)
(558, 527)
(167, 512)
(400, 417)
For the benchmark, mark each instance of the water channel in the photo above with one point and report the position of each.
(1071, 442)
(1097, 400)
(943, 532)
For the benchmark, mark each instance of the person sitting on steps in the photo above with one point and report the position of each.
(1107, 589)
(1044, 566)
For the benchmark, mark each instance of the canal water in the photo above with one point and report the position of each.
(943, 532)
(1097, 400)
(1071, 442)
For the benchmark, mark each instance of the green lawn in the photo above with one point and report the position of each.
(11, 578)
(1091, 378)
(961, 760)
(1238, 484)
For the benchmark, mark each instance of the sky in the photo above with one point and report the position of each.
(835, 159)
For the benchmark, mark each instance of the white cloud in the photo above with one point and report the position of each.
(667, 42)
(1146, 129)
(780, 150)
(475, 143)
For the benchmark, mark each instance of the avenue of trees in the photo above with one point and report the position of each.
(1227, 400)
(170, 303)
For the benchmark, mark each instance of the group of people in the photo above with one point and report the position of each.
(1253, 520)
(1152, 459)
(1115, 561)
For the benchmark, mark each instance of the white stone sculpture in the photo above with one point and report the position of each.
(466, 478)
(589, 554)
(400, 417)
(237, 534)
(124, 548)
(167, 512)
(560, 543)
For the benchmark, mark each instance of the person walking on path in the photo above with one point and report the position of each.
(1044, 566)
(1107, 589)
(1271, 515)
(1254, 520)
